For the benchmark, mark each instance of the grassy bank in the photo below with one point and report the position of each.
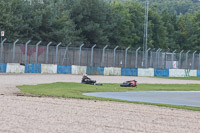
(181, 78)
(75, 90)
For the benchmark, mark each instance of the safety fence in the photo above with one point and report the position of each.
(106, 57)
(109, 71)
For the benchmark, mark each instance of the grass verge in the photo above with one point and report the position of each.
(181, 78)
(75, 90)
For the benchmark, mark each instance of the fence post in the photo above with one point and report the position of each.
(102, 63)
(193, 56)
(47, 51)
(14, 44)
(151, 56)
(126, 56)
(26, 47)
(157, 57)
(114, 55)
(57, 52)
(136, 58)
(80, 53)
(2, 50)
(180, 59)
(91, 64)
(165, 59)
(146, 61)
(36, 55)
(187, 59)
(199, 62)
(172, 58)
(66, 50)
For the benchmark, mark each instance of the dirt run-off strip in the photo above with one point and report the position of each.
(20, 114)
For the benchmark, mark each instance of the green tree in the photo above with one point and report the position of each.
(136, 11)
(9, 21)
(170, 23)
(56, 24)
(92, 20)
(157, 31)
(123, 31)
(195, 36)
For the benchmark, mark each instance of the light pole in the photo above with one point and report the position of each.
(145, 31)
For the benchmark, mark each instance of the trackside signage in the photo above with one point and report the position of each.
(2, 33)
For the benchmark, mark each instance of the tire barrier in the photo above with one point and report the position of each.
(15, 68)
(32, 68)
(3, 67)
(161, 72)
(95, 70)
(108, 71)
(149, 72)
(198, 73)
(79, 70)
(112, 71)
(129, 71)
(64, 69)
(48, 68)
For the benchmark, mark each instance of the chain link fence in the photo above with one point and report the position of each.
(111, 58)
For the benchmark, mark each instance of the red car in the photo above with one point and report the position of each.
(131, 83)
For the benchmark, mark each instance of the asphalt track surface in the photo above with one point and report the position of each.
(184, 98)
(22, 114)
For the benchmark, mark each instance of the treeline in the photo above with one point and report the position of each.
(98, 22)
(175, 6)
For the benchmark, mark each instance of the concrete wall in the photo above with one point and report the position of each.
(112, 71)
(129, 71)
(64, 69)
(15, 68)
(32, 68)
(161, 72)
(3, 67)
(78, 70)
(95, 70)
(177, 73)
(193, 73)
(182, 73)
(48, 68)
(146, 72)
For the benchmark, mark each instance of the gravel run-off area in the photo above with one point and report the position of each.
(24, 114)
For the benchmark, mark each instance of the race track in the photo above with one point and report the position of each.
(20, 114)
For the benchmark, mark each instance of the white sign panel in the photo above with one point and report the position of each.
(2, 33)
(174, 64)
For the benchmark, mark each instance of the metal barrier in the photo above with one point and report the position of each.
(106, 57)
